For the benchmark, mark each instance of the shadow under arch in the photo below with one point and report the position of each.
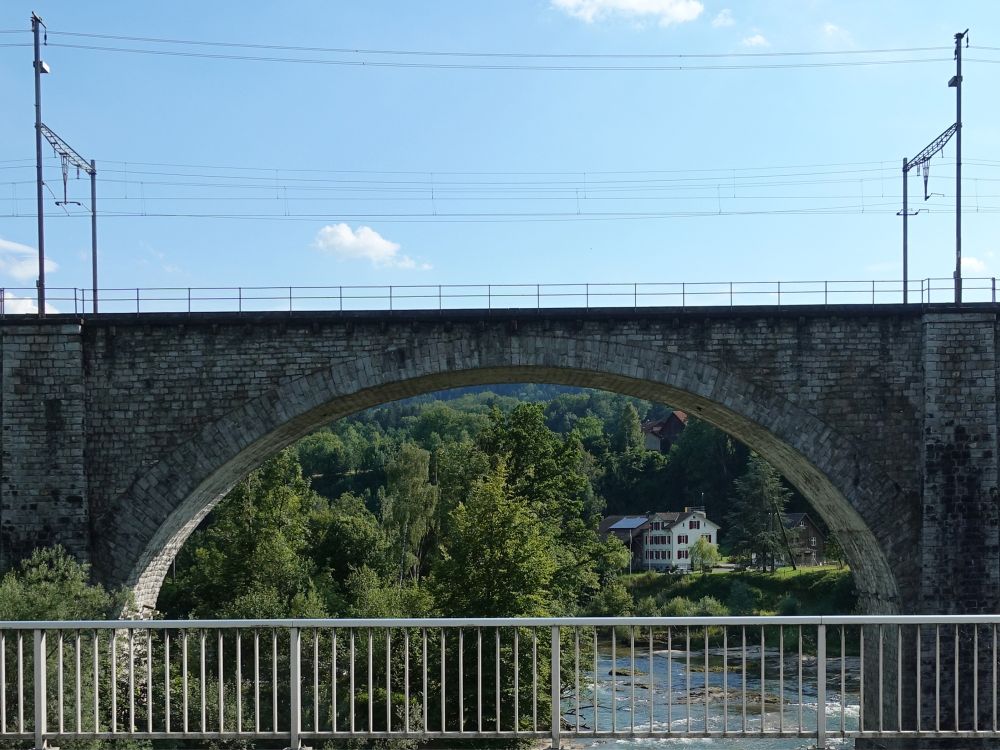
(849, 491)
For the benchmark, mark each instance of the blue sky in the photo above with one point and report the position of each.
(393, 172)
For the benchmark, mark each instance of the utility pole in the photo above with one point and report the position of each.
(956, 83)
(931, 150)
(40, 67)
(69, 157)
(93, 229)
(921, 159)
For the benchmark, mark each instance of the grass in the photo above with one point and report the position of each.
(823, 590)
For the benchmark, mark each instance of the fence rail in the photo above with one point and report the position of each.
(303, 681)
(493, 296)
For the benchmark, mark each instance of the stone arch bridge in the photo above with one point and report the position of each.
(120, 432)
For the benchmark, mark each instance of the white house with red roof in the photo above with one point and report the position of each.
(668, 538)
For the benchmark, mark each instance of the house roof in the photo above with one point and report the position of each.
(657, 426)
(628, 523)
(793, 520)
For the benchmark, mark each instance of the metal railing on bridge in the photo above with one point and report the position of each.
(306, 681)
(442, 297)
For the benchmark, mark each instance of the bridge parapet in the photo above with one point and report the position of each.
(308, 681)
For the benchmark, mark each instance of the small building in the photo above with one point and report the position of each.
(805, 540)
(630, 530)
(661, 434)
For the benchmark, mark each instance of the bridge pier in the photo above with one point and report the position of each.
(43, 440)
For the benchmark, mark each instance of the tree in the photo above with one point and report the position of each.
(832, 551)
(408, 506)
(253, 559)
(51, 585)
(500, 558)
(704, 555)
(703, 464)
(349, 537)
(627, 434)
(756, 516)
(325, 460)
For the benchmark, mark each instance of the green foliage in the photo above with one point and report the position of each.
(789, 605)
(613, 600)
(349, 536)
(627, 433)
(818, 591)
(756, 516)
(51, 585)
(494, 538)
(703, 464)
(408, 506)
(251, 559)
(704, 555)
(742, 599)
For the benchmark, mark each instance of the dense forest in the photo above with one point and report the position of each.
(478, 502)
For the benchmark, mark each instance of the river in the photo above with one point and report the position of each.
(677, 705)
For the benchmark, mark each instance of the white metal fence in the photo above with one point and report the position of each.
(495, 296)
(307, 681)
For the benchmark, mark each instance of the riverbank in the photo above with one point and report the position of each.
(822, 590)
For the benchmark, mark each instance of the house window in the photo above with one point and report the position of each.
(668, 540)
(682, 554)
(812, 541)
(656, 525)
(682, 538)
(694, 524)
(668, 554)
(707, 538)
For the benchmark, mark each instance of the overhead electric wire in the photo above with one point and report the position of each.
(485, 66)
(465, 53)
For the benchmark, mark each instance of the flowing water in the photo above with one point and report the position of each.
(682, 690)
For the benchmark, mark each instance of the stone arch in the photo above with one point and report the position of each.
(853, 496)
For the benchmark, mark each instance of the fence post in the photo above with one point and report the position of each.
(289, 299)
(538, 297)
(294, 688)
(779, 294)
(730, 295)
(189, 300)
(239, 299)
(440, 301)
(635, 297)
(39, 689)
(826, 292)
(556, 690)
(137, 301)
(994, 278)
(821, 686)
(587, 292)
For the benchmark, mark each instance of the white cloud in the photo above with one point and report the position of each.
(757, 40)
(836, 33)
(667, 12)
(973, 265)
(20, 262)
(723, 18)
(364, 243)
(14, 305)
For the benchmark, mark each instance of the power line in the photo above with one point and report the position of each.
(486, 66)
(540, 55)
